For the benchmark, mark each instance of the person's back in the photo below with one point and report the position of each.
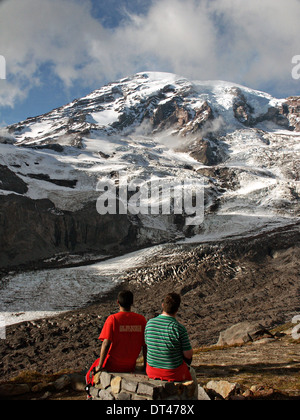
(168, 344)
(122, 339)
(125, 331)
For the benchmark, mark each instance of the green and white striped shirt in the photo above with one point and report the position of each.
(166, 341)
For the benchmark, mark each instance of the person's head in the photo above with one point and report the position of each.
(171, 304)
(125, 299)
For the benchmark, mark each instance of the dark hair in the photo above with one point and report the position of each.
(171, 303)
(125, 299)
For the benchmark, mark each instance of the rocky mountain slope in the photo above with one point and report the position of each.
(241, 263)
(221, 284)
(242, 144)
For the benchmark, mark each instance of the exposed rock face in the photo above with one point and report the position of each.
(291, 109)
(9, 181)
(243, 112)
(209, 152)
(32, 230)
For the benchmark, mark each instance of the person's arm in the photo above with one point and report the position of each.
(186, 347)
(188, 356)
(104, 350)
(106, 337)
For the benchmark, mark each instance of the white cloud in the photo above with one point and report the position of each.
(265, 36)
(246, 42)
(36, 32)
(250, 42)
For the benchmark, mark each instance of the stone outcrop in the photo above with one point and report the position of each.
(242, 333)
(43, 390)
(117, 386)
(222, 389)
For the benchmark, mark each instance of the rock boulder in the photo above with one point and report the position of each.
(241, 333)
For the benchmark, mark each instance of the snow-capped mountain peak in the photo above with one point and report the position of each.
(155, 101)
(243, 144)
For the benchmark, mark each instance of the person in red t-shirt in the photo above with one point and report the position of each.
(122, 337)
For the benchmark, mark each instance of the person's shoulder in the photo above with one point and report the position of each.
(139, 317)
(179, 323)
(181, 327)
(115, 315)
(158, 320)
(111, 318)
(176, 324)
(155, 319)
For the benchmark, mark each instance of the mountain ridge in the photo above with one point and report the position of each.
(114, 104)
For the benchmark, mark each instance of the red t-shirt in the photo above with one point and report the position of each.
(126, 331)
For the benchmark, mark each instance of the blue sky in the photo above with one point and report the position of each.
(59, 50)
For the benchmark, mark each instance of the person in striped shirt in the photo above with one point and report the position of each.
(169, 351)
